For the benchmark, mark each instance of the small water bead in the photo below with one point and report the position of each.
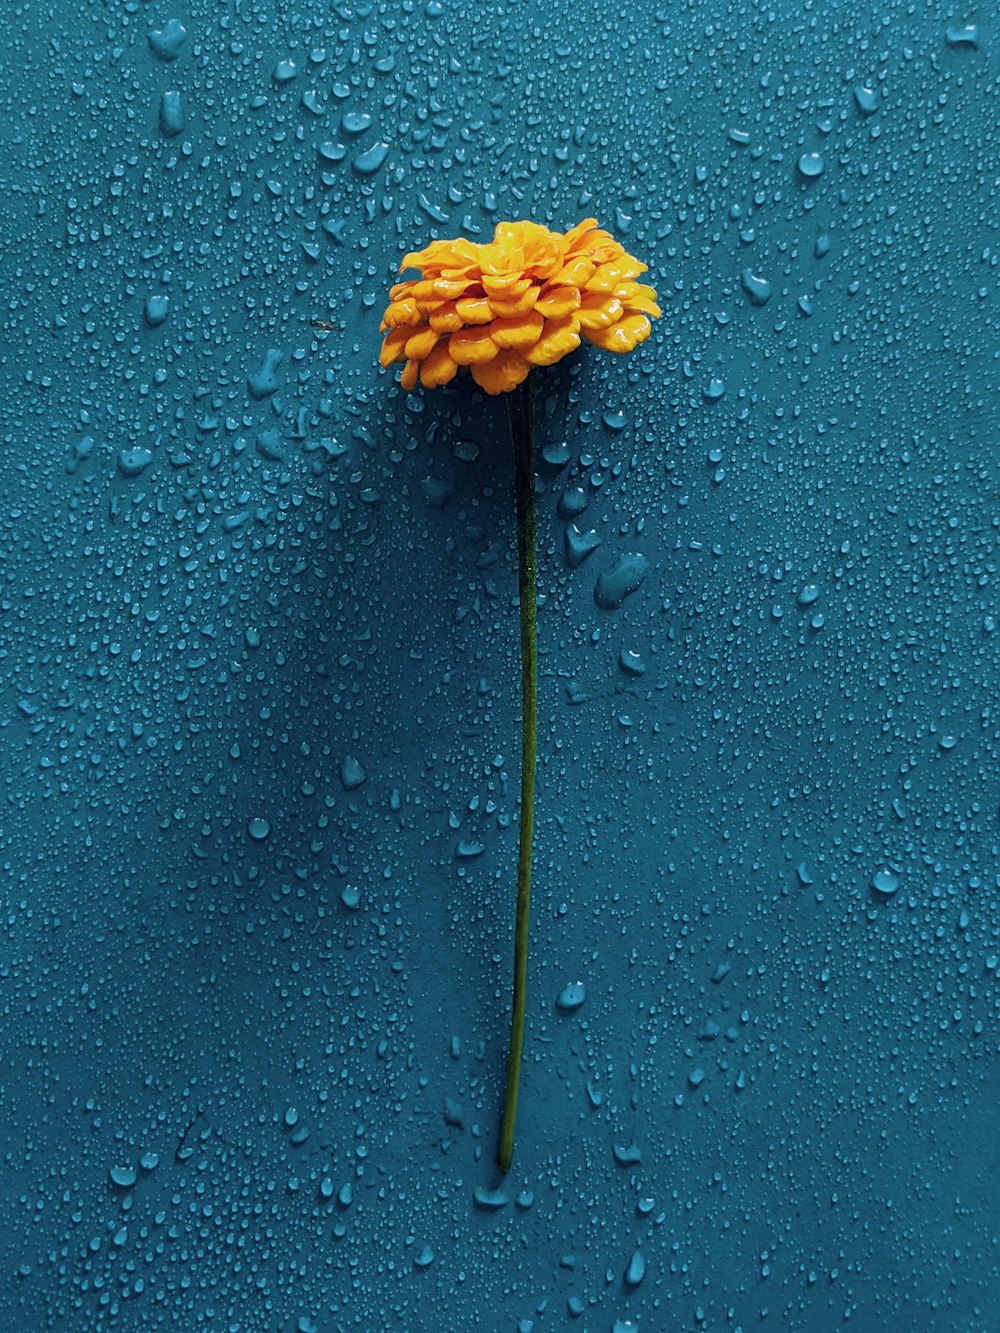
(758, 289)
(963, 35)
(264, 381)
(490, 1201)
(155, 310)
(435, 492)
(172, 118)
(884, 882)
(368, 163)
(636, 1270)
(572, 502)
(619, 582)
(571, 997)
(580, 544)
(79, 451)
(132, 462)
(165, 43)
(556, 455)
(808, 595)
(355, 122)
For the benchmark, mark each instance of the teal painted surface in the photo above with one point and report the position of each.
(259, 671)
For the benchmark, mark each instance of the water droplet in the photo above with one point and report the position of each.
(165, 43)
(368, 162)
(811, 165)
(757, 289)
(619, 582)
(885, 883)
(571, 997)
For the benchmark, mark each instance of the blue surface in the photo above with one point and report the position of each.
(259, 670)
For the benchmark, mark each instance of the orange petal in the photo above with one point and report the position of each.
(449, 288)
(422, 290)
(446, 318)
(472, 347)
(577, 272)
(526, 235)
(400, 313)
(559, 337)
(438, 367)
(421, 343)
(425, 295)
(474, 309)
(642, 305)
(441, 254)
(638, 296)
(408, 379)
(558, 302)
(598, 311)
(577, 233)
(506, 286)
(503, 373)
(620, 337)
(608, 276)
(505, 307)
(393, 346)
(519, 332)
(600, 246)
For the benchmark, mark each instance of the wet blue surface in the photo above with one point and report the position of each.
(259, 672)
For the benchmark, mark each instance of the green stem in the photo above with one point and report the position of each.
(520, 411)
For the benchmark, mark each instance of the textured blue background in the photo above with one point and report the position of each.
(272, 999)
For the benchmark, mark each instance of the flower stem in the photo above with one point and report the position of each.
(520, 411)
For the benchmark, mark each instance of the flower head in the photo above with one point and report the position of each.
(524, 299)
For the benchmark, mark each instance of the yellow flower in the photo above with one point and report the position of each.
(525, 299)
